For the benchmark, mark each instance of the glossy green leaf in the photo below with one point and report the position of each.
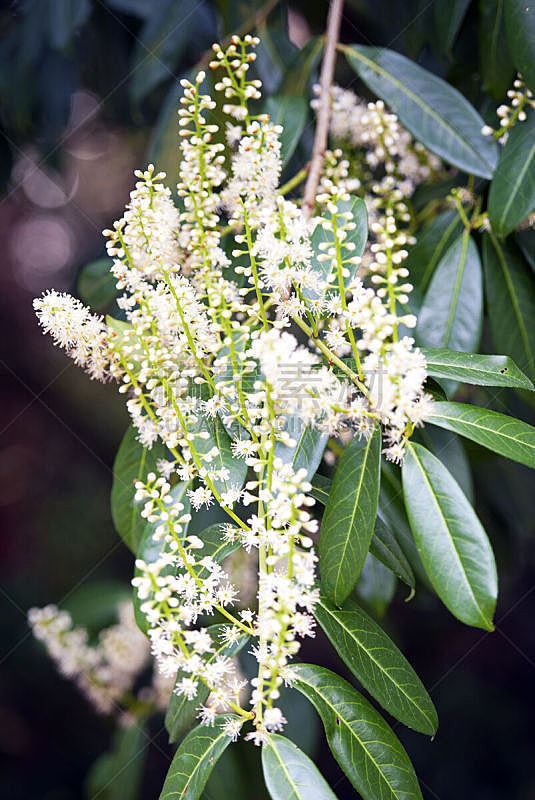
(505, 435)
(309, 448)
(525, 239)
(181, 712)
(290, 774)
(96, 284)
(448, 18)
(451, 541)
(383, 545)
(452, 311)
(479, 370)
(349, 518)
(215, 545)
(512, 191)
(520, 30)
(432, 110)
(431, 243)
(133, 462)
(378, 664)
(367, 750)
(118, 774)
(510, 288)
(495, 61)
(291, 112)
(194, 761)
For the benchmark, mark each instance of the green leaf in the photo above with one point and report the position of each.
(432, 242)
(495, 62)
(520, 30)
(392, 510)
(452, 543)
(290, 774)
(291, 112)
(452, 311)
(309, 448)
(450, 450)
(525, 239)
(385, 548)
(349, 518)
(510, 288)
(181, 712)
(375, 660)
(118, 774)
(132, 463)
(432, 110)
(215, 546)
(512, 191)
(159, 45)
(301, 69)
(448, 18)
(151, 549)
(96, 284)
(479, 370)
(194, 761)
(505, 435)
(383, 545)
(376, 586)
(363, 744)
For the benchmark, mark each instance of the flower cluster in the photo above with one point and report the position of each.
(230, 348)
(519, 98)
(105, 671)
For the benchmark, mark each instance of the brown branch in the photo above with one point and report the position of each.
(324, 111)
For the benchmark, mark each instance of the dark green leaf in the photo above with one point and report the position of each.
(432, 110)
(448, 16)
(452, 543)
(520, 30)
(525, 239)
(392, 510)
(133, 462)
(452, 311)
(505, 435)
(510, 288)
(290, 774)
(118, 774)
(219, 438)
(432, 242)
(349, 518)
(376, 586)
(378, 664)
(215, 546)
(96, 284)
(291, 112)
(301, 69)
(383, 545)
(363, 744)
(479, 370)
(194, 761)
(512, 191)
(181, 712)
(160, 43)
(495, 62)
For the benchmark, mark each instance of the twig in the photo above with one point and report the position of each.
(322, 126)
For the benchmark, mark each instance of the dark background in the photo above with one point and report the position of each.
(87, 89)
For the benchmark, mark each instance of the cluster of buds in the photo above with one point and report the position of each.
(520, 98)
